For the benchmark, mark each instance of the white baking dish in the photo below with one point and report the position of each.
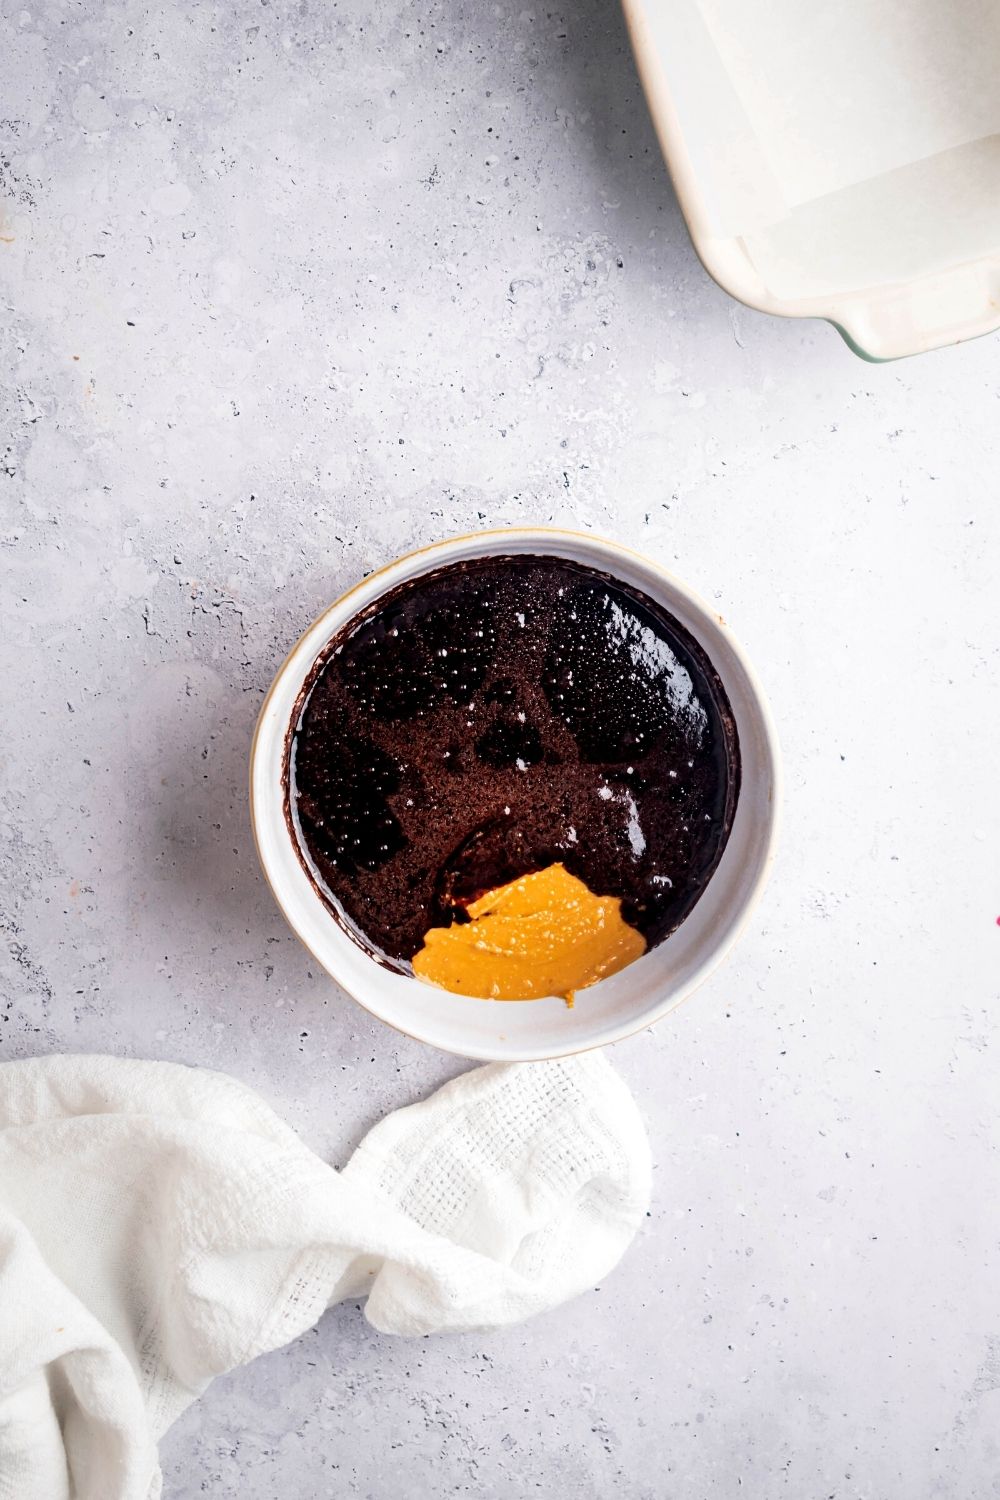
(840, 162)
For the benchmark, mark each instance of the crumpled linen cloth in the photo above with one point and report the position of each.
(160, 1225)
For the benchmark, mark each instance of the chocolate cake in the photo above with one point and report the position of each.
(497, 716)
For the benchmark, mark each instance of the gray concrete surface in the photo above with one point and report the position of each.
(288, 289)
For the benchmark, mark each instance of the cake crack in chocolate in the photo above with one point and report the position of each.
(496, 717)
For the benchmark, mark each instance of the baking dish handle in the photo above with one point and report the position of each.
(946, 308)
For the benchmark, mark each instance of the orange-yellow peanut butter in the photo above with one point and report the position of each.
(543, 934)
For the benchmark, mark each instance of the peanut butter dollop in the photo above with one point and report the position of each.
(542, 934)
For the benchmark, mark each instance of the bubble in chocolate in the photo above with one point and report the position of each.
(497, 716)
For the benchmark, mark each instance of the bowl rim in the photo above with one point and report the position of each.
(606, 545)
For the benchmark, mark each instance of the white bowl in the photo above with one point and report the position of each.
(526, 1031)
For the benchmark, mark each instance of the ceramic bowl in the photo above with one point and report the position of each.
(628, 1001)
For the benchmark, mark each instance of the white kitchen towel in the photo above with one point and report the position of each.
(159, 1225)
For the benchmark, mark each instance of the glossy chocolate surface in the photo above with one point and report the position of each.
(496, 716)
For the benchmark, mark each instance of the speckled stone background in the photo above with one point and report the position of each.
(290, 288)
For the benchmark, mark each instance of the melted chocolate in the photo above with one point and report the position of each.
(495, 716)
